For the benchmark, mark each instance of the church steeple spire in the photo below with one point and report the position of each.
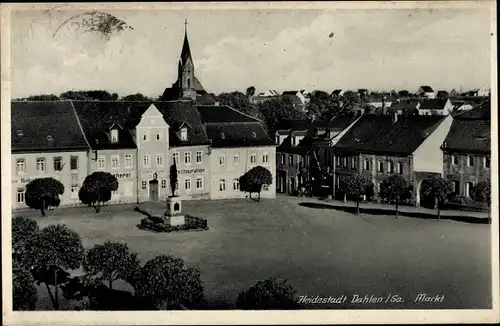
(186, 51)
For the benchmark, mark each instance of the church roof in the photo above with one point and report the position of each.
(186, 51)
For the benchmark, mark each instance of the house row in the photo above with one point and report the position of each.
(416, 147)
(137, 142)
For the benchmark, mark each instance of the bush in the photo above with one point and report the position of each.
(24, 293)
(22, 230)
(268, 294)
(191, 223)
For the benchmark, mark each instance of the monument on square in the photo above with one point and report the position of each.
(173, 214)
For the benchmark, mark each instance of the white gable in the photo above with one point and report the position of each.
(152, 111)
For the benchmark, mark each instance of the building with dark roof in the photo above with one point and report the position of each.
(380, 145)
(405, 107)
(187, 85)
(436, 106)
(467, 150)
(47, 141)
(426, 91)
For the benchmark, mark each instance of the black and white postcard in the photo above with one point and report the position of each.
(249, 163)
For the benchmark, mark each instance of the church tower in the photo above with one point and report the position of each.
(186, 79)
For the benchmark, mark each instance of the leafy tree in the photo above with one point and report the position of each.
(173, 178)
(136, 98)
(97, 188)
(438, 188)
(253, 180)
(268, 294)
(403, 93)
(350, 101)
(24, 292)
(481, 192)
(395, 189)
(41, 97)
(53, 250)
(206, 99)
(323, 105)
(238, 101)
(166, 282)
(275, 110)
(110, 262)
(43, 192)
(89, 95)
(250, 91)
(22, 230)
(355, 187)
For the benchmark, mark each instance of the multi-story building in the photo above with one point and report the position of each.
(467, 150)
(238, 143)
(47, 141)
(380, 145)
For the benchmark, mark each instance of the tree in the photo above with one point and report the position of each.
(403, 93)
(97, 188)
(324, 106)
(41, 97)
(438, 188)
(253, 180)
(22, 230)
(173, 178)
(350, 101)
(166, 282)
(24, 293)
(89, 95)
(275, 110)
(250, 91)
(238, 101)
(42, 193)
(395, 189)
(355, 187)
(51, 251)
(110, 262)
(206, 99)
(136, 98)
(481, 192)
(268, 294)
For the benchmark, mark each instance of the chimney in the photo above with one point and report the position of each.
(395, 117)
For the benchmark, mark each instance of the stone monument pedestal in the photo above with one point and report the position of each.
(173, 215)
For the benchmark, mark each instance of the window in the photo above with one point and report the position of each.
(159, 135)
(468, 188)
(380, 166)
(145, 136)
(175, 158)
(159, 160)
(454, 159)
(236, 184)
(337, 160)
(40, 164)
(283, 159)
(57, 163)
(367, 165)
(20, 196)
(199, 183)
(290, 159)
(187, 184)
(456, 187)
(293, 141)
(74, 191)
(187, 157)
(199, 157)
(73, 163)
(114, 135)
(253, 158)
(184, 134)
(277, 139)
(222, 159)
(265, 158)
(101, 162)
(344, 161)
(146, 162)
(378, 187)
(390, 167)
(115, 162)
(21, 166)
(400, 168)
(486, 162)
(470, 160)
(236, 159)
(222, 185)
(128, 161)
(353, 162)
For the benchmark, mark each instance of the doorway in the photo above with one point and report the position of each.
(153, 190)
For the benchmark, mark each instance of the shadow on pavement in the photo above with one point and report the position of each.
(381, 211)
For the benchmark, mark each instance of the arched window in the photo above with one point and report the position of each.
(189, 82)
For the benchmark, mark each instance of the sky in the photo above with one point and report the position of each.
(269, 49)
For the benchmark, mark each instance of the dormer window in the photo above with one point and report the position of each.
(184, 134)
(294, 142)
(20, 133)
(114, 135)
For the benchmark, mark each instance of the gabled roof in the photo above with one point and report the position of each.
(223, 113)
(406, 106)
(480, 112)
(290, 92)
(175, 113)
(242, 134)
(39, 120)
(300, 124)
(427, 89)
(433, 104)
(471, 136)
(378, 134)
(97, 117)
